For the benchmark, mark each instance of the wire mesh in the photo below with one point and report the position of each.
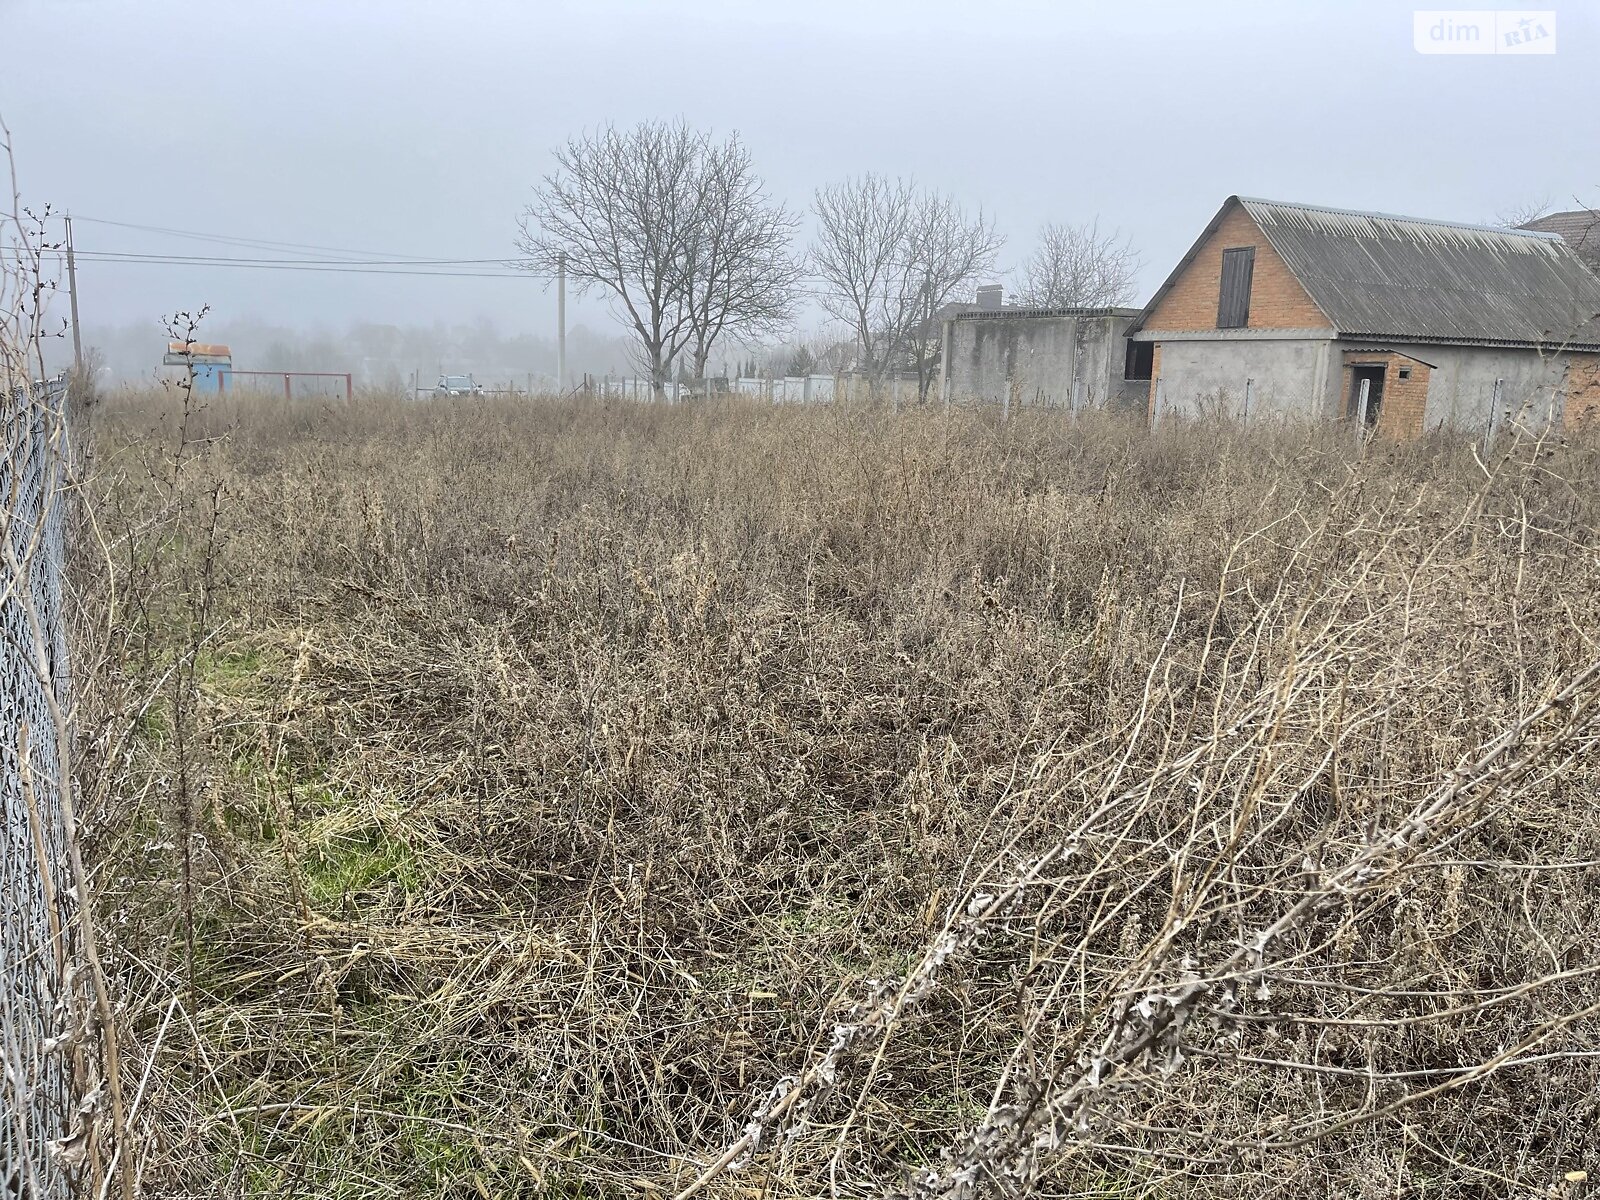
(41, 1141)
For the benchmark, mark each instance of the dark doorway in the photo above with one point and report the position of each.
(1141, 361)
(1373, 375)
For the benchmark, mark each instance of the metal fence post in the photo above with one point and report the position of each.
(1494, 412)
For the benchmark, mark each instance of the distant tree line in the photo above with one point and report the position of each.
(676, 229)
(378, 355)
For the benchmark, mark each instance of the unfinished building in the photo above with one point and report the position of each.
(1073, 358)
(1403, 323)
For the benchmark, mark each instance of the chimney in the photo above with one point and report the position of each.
(990, 297)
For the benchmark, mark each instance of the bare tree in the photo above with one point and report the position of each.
(891, 256)
(740, 274)
(618, 210)
(1580, 227)
(946, 251)
(860, 251)
(674, 228)
(832, 345)
(1077, 266)
(1526, 212)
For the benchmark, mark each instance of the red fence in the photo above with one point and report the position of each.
(257, 379)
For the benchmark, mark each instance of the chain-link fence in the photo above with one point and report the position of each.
(46, 1117)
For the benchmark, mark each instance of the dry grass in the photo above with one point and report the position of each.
(501, 800)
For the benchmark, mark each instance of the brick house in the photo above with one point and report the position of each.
(1412, 324)
(1579, 229)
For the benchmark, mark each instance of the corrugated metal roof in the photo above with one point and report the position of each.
(1381, 276)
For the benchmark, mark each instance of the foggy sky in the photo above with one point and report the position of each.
(416, 128)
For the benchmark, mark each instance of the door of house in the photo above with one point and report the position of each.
(1372, 374)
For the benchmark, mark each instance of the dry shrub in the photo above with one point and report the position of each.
(519, 799)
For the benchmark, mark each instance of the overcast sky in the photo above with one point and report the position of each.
(417, 128)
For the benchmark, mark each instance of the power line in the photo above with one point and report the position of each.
(240, 240)
(376, 266)
(355, 262)
(398, 268)
(352, 269)
(336, 267)
(330, 266)
(207, 259)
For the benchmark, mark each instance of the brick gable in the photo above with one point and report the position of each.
(1277, 301)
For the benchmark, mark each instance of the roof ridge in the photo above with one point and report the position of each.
(1383, 216)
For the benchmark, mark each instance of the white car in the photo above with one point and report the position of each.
(457, 385)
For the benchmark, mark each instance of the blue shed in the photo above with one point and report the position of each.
(210, 364)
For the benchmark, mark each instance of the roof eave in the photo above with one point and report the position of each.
(1554, 346)
(1183, 265)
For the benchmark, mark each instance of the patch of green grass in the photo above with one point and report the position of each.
(154, 725)
(229, 670)
(363, 860)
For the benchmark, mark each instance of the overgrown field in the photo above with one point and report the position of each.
(501, 801)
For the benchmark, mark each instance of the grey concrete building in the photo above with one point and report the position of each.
(1412, 324)
(1073, 358)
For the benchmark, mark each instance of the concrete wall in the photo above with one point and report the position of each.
(1212, 377)
(1309, 377)
(1461, 389)
(1055, 360)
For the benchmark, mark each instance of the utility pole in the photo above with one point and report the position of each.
(72, 293)
(561, 325)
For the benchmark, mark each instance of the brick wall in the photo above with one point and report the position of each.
(1583, 390)
(1277, 301)
(1405, 401)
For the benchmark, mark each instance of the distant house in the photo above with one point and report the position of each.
(1072, 358)
(1579, 229)
(208, 365)
(1411, 323)
(990, 297)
